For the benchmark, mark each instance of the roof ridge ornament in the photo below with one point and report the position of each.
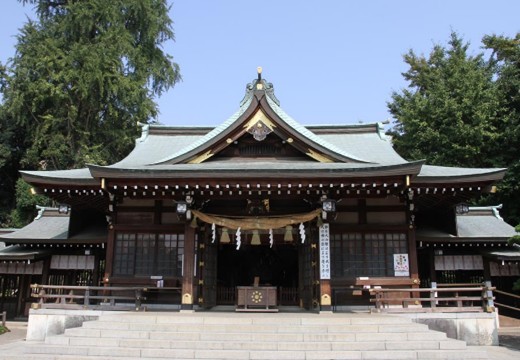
(145, 129)
(259, 84)
(381, 129)
(259, 81)
(493, 208)
(42, 209)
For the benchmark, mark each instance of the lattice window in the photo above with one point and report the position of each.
(124, 254)
(365, 254)
(170, 254)
(147, 254)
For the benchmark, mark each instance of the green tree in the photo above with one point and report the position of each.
(26, 204)
(506, 54)
(448, 113)
(464, 110)
(84, 74)
(11, 136)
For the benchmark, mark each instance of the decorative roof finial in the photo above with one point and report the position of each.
(259, 81)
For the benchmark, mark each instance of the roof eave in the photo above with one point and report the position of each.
(491, 176)
(455, 239)
(55, 241)
(411, 169)
(40, 178)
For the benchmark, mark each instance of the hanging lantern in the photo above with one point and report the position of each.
(224, 237)
(255, 239)
(288, 234)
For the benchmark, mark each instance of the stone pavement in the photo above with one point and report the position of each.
(17, 332)
(13, 342)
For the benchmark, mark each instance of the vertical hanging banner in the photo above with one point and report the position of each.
(401, 265)
(325, 252)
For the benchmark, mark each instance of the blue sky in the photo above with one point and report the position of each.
(331, 61)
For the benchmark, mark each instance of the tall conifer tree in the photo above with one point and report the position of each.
(448, 113)
(84, 73)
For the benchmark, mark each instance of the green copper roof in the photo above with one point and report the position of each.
(212, 134)
(308, 134)
(356, 148)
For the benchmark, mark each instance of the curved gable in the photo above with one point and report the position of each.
(259, 116)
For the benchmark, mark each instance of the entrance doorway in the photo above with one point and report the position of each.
(290, 266)
(277, 266)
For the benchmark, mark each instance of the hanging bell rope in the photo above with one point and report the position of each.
(224, 237)
(257, 223)
(255, 239)
(288, 234)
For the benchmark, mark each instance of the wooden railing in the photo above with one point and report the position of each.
(513, 296)
(92, 297)
(471, 298)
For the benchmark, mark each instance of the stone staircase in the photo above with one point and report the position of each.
(212, 335)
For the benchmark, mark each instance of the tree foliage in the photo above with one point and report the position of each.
(506, 54)
(26, 204)
(83, 74)
(463, 110)
(448, 113)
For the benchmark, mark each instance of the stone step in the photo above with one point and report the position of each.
(260, 345)
(425, 355)
(250, 336)
(294, 336)
(255, 319)
(91, 352)
(275, 328)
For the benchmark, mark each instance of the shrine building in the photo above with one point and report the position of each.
(260, 201)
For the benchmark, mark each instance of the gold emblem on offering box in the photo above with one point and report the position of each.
(256, 297)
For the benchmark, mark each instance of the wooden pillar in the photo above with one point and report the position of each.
(325, 296)
(324, 268)
(46, 269)
(22, 293)
(188, 268)
(431, 259)
(487, 269)
(412, 250)
(95, 271)
(109, 260)
(412, 241)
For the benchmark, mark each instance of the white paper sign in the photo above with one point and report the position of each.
(325, 252)
(401, 265)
